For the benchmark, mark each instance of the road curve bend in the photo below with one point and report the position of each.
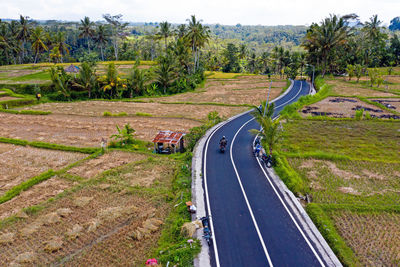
(251, 224)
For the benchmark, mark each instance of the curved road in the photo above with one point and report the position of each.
(251, 225)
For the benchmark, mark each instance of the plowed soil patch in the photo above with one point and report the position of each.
(19, 163)
(94, 232)
(84, 131)
(93, 167)
(341, 107)
(97, 108)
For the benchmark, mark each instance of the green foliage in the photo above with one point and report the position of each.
(16, 190)
(143, 114)
(350, 71)
(109, 114)
(231, 55)
(124, 136)
(328, 231)
(359, 114)
(289, 176)
(26, 112)
(14, 141)
(85, 150)
(16, 103)
(60, 80)
(197, 132)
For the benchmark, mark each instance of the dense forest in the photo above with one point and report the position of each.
(336, 45)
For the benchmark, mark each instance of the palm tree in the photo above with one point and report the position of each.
(271, 132)
(61, 45)
(181, 31)
(242, 51)
(37, 42)
(137, 81)
(197, 35)
(8, 42)
(165, 72)
(322, 40)
(86, 29)
(101, 38)
(165, 32)
(23, 34)
(87, 78)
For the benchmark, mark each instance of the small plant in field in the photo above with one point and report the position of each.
(125, 135)
(367, 115)
(358, 69)
(107, 114)
(350, 71)
(359, 114)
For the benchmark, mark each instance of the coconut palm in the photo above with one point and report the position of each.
(86, 29)
(322, 40)
(197, 35)
(165, 72)
(8, 42)
(61, 45)
(38, 45)
(101, 37)
(86, 79)
(271, 131)
(165, 32)
(23, 34)
(137, 81)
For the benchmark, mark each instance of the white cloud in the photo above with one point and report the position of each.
(264, 12)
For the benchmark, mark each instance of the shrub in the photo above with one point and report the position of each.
(359, 114)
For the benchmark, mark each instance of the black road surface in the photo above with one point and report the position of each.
(258, 231)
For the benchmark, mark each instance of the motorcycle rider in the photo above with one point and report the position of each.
(223, 142)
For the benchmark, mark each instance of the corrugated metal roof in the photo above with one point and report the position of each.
(72, 68)
(168, 137)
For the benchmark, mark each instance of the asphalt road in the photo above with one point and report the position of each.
(251, 226)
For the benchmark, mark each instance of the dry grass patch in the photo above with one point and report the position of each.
(97, 108)
(97, 233)
(19, 163)
(374, 237)
(84, 131)
(341, 107)
(113, 159)
(350, 181)
(34, 196)
(341, 87)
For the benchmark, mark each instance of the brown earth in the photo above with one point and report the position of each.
(97, 108)
(19, 163)
(243, 90)
(341, 109)
(374, 237)
(84, 131)
(96, 234)
(341, 87)
(34, 196)
(393, 102)
(113, 159)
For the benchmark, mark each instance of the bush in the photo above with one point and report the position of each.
(359, 114)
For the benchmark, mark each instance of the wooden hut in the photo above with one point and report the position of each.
(167, 142)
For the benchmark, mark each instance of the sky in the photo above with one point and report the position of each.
(232, 12)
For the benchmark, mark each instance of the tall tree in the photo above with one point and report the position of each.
(197, 35)
(86, 30)
(165, 73)
(118, 28)
(322, 40)
(101, 37)
(37, 42)
(23, 34)
(165, 31)
(61, 45)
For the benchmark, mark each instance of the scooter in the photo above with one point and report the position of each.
(222, 148)
(206, 229)
(267, 159)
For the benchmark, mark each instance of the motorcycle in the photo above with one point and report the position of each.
(206, 229)
(222, 147)
(267, 160)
